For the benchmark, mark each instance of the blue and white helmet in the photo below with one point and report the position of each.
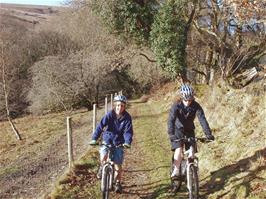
(187, 92)
(120, 98)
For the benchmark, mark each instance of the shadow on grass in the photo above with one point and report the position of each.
(145, 191)
(221, 177)
(154, 190)
(164, 191)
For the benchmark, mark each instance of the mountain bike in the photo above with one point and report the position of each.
(188, 168)
(107, 180)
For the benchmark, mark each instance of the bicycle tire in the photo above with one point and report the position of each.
(105, 182)
(175, 184)
(193, 182)
(111, 181)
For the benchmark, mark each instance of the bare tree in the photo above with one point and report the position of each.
(231, 39)
(64, 83)
(4, 84)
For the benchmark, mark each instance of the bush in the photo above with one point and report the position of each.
(168, 38)
(63, 83)
(130, 19)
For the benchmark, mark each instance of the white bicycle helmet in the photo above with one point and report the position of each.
(120, 98)
(187, 92)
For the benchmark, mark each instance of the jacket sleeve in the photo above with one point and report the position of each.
(99, 129)
(172, 121)
(128, 133)
(203, 121)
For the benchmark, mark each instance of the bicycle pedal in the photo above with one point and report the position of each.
(176, 178)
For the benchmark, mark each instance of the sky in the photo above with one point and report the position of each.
(35, 2)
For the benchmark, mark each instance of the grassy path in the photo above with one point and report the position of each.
(146, 173)
(146, 167)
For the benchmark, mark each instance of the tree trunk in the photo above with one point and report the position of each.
(208, 65)
(97, 95)
(14, 128)
(6, 103)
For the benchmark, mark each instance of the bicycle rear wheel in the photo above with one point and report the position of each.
(193, 182)
(106, 177)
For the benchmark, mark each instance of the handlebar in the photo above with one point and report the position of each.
(196, 139)
(111, 145)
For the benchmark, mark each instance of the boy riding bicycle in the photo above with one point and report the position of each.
(181, 124)
(116, 127)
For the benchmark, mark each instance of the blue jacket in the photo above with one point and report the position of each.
(181, 120)
(115, 131)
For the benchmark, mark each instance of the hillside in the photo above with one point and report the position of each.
(25, 16)
(231, 167)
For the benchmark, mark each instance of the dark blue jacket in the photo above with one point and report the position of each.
(181, 120)
(115, 131)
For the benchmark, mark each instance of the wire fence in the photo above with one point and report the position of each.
(31, 175)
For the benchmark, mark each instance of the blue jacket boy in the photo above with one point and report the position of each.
(115, 130)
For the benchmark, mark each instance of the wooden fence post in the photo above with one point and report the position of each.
(106, 104)
(111, 101)
(69, 142)
(94, 117)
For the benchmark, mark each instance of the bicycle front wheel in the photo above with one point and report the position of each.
(106, 177)
(193, 182)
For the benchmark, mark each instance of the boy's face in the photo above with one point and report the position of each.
(119, 107)
(187, 102)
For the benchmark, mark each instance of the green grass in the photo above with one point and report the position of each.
(155, 145)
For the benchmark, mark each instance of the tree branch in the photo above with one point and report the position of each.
(150, 60)
(199, 72)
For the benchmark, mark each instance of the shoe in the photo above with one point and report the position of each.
(99, 173)
(118, 187)
(175, 189)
